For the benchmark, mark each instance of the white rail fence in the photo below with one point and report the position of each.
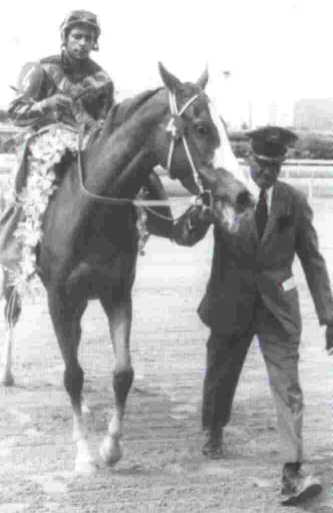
(314, 177)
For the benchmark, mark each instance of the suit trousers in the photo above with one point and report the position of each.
(225, 358)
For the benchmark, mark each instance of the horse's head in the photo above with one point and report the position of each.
(199, 152)
(226, 197)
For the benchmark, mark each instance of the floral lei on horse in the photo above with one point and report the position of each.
(46, 147)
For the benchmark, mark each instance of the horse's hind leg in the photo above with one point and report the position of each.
(120, 318)
(66, 315)
(12, 314)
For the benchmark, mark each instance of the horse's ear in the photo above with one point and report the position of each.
(202, 82)
(170, 81)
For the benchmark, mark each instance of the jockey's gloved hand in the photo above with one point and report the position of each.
(329, 339)
(56, 102)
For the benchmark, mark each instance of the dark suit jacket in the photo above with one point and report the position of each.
(244, 266)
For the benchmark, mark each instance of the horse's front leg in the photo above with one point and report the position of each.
(66, 315)
(120, 319)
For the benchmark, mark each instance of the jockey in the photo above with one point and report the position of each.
(57, 98)
(69, 87)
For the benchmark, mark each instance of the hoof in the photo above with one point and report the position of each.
(8, 380)
(111, 451)
(86, 468)
(213, 453)
(213, 448)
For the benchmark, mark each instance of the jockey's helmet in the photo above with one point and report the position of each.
(80, 17)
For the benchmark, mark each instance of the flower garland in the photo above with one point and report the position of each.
(46, 148)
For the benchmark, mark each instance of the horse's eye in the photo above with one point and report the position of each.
(202, 129)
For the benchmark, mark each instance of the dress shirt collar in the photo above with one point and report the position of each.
(269, 195)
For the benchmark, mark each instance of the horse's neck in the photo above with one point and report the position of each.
(119, 162)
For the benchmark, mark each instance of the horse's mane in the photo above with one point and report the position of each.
(122, 111)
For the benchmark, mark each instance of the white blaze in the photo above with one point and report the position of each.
(224, 156)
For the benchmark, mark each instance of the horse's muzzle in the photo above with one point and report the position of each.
(244, 201)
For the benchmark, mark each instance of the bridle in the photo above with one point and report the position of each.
(175, 128)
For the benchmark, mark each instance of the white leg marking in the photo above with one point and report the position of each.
(7, 377)
(120, 318)
(84, 462)
(84, 407)
(111, 449)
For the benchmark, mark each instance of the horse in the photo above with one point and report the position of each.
(90, 241)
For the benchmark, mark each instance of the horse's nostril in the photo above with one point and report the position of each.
(244, 200)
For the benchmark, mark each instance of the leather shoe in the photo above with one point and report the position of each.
(212, 447)
(297, 487)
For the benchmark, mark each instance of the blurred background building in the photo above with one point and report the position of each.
(314, 114)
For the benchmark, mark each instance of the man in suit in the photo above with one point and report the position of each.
(251, 291)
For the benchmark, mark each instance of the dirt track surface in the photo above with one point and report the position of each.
(162, 469)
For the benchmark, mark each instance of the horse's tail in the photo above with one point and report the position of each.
(12, 312)
(11, 296)
(2, 282)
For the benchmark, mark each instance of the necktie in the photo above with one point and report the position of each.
(261, 213)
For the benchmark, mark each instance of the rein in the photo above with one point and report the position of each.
(115, 201)
(205, 198)
(177, 134)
